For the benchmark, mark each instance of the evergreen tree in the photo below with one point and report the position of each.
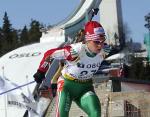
(24, 38)
(136, 69)
(6, 34)
(15, 39)
(147, 72)
(34, 31)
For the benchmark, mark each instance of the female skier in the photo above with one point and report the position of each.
(82, 60)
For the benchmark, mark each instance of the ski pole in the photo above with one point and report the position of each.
(16, 87)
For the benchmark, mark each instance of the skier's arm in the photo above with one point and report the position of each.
(56, 53)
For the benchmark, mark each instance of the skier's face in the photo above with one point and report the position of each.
(96, 46)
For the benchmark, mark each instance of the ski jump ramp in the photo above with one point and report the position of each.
(20, 64)
(68, 27)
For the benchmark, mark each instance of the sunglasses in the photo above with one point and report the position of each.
(99, 42)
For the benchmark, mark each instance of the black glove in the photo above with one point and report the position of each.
(54, 89)
(39, 76)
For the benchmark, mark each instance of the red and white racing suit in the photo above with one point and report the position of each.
(75, 83)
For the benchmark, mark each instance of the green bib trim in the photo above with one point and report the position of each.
(89, 53)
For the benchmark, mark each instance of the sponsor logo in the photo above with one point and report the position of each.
(24, 55)
(93, 65)
(22, 105)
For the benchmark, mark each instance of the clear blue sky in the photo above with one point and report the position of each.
(49, 12)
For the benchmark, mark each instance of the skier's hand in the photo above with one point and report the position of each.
(107, 49)
(39, 76)
(54, 89)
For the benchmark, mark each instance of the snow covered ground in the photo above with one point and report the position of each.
(19, 66)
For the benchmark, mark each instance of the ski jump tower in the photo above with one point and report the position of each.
(112, 21)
